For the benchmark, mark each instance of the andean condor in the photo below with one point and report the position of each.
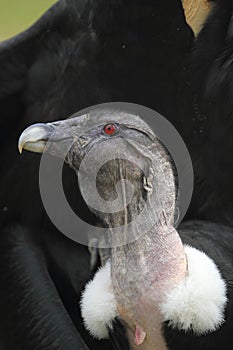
(82, 53)
(169, 291)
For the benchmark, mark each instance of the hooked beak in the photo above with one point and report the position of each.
(35, 137)
(55, 138)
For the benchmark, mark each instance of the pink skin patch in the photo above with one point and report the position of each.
(139, 335)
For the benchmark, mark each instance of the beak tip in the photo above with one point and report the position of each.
(21, 144)
(20, 148)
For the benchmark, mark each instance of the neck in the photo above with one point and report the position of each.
(157, 258)
(142, 273)
(148, 267)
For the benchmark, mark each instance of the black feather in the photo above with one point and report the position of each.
(118, 336)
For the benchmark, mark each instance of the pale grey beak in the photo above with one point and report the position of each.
(35, 137)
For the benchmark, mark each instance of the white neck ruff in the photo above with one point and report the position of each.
(196, 304)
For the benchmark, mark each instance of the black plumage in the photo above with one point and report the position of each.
(32, 307)
(211, 84)
(87, 52)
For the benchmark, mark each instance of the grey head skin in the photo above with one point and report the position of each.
(135, 172)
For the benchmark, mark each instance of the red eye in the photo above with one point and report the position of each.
(110, 129)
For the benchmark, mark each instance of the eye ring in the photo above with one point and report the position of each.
(110, 129)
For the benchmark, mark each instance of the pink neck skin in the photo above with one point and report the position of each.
(148, 269)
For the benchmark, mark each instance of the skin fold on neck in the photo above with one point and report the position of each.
(142, 273)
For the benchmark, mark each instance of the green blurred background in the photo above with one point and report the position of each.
(17, 15)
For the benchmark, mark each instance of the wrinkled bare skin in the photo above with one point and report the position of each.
(196, 13)
(154, 340)
(148, 269)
